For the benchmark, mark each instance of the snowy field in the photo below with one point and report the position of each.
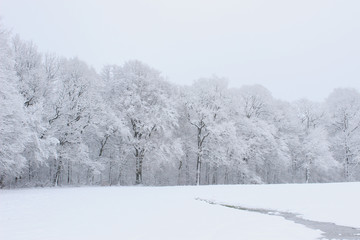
(173, 213)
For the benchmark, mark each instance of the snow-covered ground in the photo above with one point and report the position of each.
(334, 202)
(173, 213)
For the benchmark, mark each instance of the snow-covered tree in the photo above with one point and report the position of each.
(265, 149)
(143, 99)
(344, 126)
(71, 114)
(14, 131)
(34, 85)
(204, 103)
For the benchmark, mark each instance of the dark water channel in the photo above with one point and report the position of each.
(330, 230)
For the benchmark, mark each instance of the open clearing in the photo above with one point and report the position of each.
(174, 213)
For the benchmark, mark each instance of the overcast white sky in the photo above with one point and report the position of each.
(296, 49)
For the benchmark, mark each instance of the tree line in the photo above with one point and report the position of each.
(63, 123)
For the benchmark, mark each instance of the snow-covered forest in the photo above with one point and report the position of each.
(63, 123)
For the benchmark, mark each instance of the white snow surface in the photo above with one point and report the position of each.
(173, 213)
(331, 202)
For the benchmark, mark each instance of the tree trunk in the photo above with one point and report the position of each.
(2, 181)
(29, 170)
(214, 178)
(198, 169)
(179, 173)
(308, 171)
(187, 170)
(226, 176)
(198, 160)
(50, 171)
(119, 175)
(307, 175)
(347, 163)
(68, 172)
(139, 156)
(57, 177)
(207, 174)
(110, 170)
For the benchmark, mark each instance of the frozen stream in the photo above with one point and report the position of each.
(330, 230)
